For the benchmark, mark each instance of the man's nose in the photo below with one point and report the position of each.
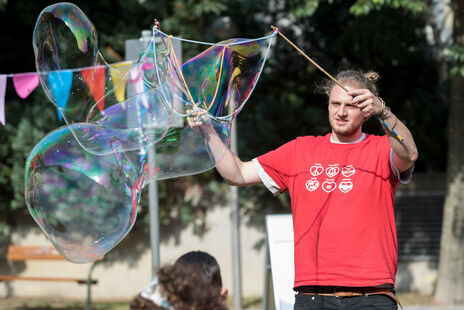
(341, 109)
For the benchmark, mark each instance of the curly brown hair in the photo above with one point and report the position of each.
(186, 288)
(193, 282)
(141, 303)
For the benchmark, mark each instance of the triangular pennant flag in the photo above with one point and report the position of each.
(60, 83)
(25, 83)
(2, 98)
(95, 79)
(118, 71)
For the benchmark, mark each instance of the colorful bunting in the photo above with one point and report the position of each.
(25, 83)
(95, 79)
(60, 81)
(2, 98)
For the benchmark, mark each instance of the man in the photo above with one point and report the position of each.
(342, 187)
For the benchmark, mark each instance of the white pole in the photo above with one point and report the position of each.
(235, 214)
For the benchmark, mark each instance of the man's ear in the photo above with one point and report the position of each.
(224, 294)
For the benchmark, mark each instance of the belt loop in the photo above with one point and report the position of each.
(363, 291)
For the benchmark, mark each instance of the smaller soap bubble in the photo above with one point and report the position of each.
(85, 204)
(85, 88)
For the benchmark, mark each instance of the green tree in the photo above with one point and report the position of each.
(450, 283)
(385, 35)
(389, 39)
(31, 119)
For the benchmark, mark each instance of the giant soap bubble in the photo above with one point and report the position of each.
(126, 125)
(84, 88)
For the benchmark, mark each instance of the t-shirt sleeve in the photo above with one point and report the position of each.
(274, 167)
(405, 176)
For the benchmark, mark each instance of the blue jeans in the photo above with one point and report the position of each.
(365, 302)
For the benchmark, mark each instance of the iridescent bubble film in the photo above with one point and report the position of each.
(221, 78)
(127, 124)
(216, 83)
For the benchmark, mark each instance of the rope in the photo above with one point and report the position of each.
(10, 75)
(219, 78)
(180, 71)
(214, 44)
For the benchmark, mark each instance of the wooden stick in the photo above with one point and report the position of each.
(309, 58)
(332, 78)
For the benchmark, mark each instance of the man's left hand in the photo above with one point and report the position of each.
(367, 101)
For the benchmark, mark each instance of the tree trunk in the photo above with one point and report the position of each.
(450, 285)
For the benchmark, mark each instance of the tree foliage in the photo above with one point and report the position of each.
(388, 36)
(362, 7)
(31, 119)
(450, 284)
(392, 41)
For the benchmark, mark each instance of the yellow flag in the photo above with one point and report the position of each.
(118, 72)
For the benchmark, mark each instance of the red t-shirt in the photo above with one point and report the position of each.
(342, 203)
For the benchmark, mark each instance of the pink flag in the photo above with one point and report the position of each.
(25, 83)
(2, 98)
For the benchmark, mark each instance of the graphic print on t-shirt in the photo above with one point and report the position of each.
(329, 185)
(332, 170)
(327, 182)
(312, 184)
(316, 170)
(348, 171)
(345, 185)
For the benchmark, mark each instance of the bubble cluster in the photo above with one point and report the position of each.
(126, 125)
(85, 88)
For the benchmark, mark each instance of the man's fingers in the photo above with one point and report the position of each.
(356, 92)
(361, 98)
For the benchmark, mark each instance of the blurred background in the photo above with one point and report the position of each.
(417, 47)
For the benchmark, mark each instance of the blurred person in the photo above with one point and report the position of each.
(208, 266)
(342, 187)
(193, 282)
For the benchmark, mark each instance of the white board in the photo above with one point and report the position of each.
(279, 230)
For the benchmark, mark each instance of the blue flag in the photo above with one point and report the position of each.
(60, 83)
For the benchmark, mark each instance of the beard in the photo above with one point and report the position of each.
(347, 130)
